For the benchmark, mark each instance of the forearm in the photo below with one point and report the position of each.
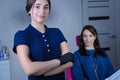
(66, 61)
(39, 68)
(58, 69)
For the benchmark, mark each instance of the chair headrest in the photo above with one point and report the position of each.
(78, 40)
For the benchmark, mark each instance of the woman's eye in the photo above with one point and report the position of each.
(46, 7)
(37, 6)
(91, 35)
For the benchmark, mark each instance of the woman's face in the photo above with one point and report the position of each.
(88, 39)
(39, 11)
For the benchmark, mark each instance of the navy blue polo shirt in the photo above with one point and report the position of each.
(43, 46)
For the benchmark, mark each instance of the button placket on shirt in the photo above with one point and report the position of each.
(47, 44)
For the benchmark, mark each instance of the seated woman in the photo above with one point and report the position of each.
(90, 61)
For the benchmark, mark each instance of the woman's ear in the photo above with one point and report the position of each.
(29, 13)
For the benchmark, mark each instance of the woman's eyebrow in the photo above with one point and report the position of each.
(37, 4)
(46, 4)
(40, 4)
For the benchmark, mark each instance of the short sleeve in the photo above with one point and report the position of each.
(20, 39)
(61, 36)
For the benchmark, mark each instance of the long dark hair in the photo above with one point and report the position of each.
(98, 49)
(30, 3)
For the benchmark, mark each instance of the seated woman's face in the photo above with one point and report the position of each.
(88, 39)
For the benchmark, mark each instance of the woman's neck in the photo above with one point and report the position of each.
(39, 26)
(89, 48)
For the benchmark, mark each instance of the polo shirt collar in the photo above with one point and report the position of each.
(35, 31)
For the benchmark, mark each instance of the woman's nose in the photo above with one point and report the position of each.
(41, 11)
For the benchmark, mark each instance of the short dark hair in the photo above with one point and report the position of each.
(30, 3)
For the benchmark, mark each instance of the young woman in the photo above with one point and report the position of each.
(90, 61)
(43, 52)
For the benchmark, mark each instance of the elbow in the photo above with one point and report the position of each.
(32, 71)
(29, 72)
(70, 64)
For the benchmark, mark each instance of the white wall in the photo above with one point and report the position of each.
(65, 15)
(12, 18)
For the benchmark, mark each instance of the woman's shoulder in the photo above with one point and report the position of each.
(19, 32)
(22, 31)
(103, 53)
(77, 52)
(54, 29)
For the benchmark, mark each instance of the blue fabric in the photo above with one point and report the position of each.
(83, 66)
(43, 46)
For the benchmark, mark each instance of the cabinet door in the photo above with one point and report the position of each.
(4, 75)
(101, 14)
(4, 70)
